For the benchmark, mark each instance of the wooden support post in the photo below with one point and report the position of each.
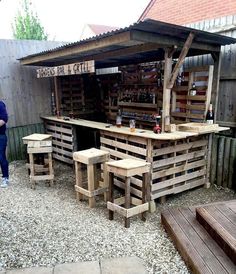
(169, 78)
(111, 193)
(78, 179)
(166, 91)
(57, 97)
(216, 82)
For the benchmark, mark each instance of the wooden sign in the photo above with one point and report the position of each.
(71, 69)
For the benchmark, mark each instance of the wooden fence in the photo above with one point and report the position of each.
(223, 164)
(16, 150)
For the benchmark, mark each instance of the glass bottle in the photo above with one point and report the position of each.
(193, 90)
(119, 118)
(210, 115)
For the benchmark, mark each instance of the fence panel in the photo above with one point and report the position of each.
(223, 170)
(16, 150)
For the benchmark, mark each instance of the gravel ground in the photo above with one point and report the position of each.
(47, 226)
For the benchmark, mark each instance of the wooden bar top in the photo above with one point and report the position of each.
(125, 130)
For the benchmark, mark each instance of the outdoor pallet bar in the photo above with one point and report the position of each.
(179, 160)
(151, 77)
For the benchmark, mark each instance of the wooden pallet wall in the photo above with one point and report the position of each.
(176, 166)
(179, 165)
(63, 140)
(125, 147)
(186, 108)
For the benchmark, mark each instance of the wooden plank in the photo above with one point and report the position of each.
(219, 227)
(188, 115)
(62, 158)
(220, 161)
(179, 158)
(62, 151)
(59, 129)
(232, 163)
(60, 136)
(211, 244)
(130, 138)
(137, 210)
(178, 179)
(226, 163)
(41, 177)
(63, 144)
(118, 154)
(180, 147)
(183, 243)
(130, 148)
(173, 170)
(178, 189)
(166, 89)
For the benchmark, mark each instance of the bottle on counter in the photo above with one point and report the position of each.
(119, 118)
(193, 90)
(210, 115)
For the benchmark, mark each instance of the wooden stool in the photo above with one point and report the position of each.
(128, 168)
(40, 147)
(89, 157)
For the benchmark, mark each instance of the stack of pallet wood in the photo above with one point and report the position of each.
(205, 236)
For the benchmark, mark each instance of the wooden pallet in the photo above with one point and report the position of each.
(199, 251)
(176, 166)
(220, 222)
(186, 108)
(63, 140)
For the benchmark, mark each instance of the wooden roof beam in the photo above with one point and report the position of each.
(168, 41)
(116, 39)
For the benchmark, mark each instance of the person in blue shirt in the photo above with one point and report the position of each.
(3, 145)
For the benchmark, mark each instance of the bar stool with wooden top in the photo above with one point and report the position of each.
(128, 168)
(89, 157)
(37, 145)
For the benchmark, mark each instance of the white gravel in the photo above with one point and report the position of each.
(47, 226)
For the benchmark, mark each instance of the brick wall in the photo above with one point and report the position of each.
(182, 12)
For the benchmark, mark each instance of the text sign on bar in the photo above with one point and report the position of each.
(71, 69)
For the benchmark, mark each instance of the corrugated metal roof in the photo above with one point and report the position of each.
(160, 29)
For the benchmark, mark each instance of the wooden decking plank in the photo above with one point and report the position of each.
(221, 219)
(228, 265)
(183, 244)
(201, 247)
(229, 214)
(219, 228)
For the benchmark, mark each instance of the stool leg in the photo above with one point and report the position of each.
(111, 193)
(105, 181)
(127, 199)
(50, 167)
(96, 177)
(78, 179)
(91, 184)
(144, 191)
(32, 173)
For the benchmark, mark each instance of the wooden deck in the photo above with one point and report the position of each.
(200, 251)
(220, 222)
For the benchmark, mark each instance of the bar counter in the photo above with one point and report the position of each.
(179, 160)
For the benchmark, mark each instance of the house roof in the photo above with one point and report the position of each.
(141, 42)
(99, 29)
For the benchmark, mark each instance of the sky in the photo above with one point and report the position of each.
(65, 20)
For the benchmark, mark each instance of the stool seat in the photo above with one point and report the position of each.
(90, 157)
(128, 167)
(128, 206)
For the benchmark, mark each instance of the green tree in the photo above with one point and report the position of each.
(27, 24)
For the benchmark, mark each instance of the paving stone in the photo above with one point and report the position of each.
(124, 265)
(78, 268)
(31, 270)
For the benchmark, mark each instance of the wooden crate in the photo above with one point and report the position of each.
(63, 140)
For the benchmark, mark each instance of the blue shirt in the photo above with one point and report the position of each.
(3, 116)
